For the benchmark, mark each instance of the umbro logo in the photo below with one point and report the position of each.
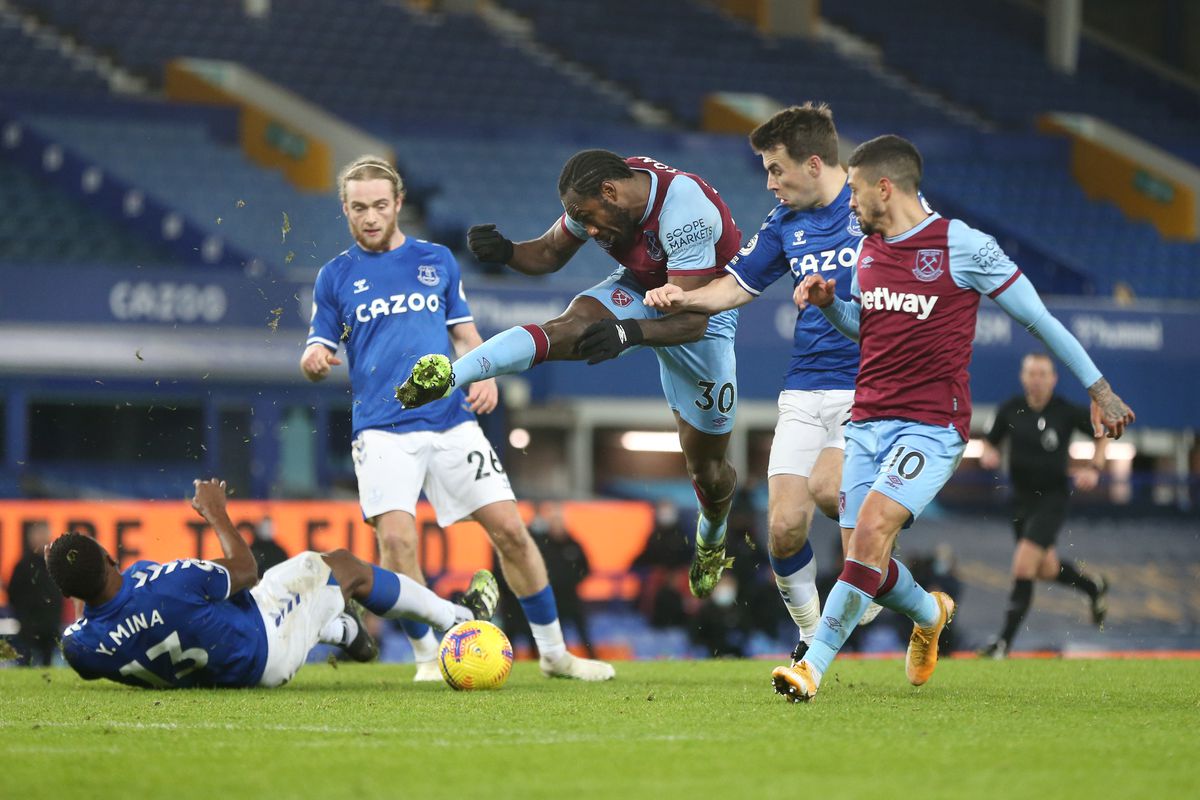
(361, 286)
(866, 262)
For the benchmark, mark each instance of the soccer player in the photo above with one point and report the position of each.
(214, 623)
(916, 294)
(391, 298)
(1038, 425)
(661, 225)
(810, 232)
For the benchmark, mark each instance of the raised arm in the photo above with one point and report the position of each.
(548, 253)
(209, 502)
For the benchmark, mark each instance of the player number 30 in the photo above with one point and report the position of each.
(723, 400)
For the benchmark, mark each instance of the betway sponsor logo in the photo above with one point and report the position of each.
(884, 299)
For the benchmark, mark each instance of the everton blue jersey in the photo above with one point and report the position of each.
(820, 241)
(171, 625)
(390, 309)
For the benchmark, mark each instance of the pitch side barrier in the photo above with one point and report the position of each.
(612, 533)
(194, 315)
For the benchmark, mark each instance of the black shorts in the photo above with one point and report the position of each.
(1038, 515)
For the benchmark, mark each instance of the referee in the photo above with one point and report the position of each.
(1038, 427)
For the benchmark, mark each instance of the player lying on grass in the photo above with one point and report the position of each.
(214, 623)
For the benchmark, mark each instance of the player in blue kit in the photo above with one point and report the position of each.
(661, 225)
(214, 623)
(391, 298)
(811, 231)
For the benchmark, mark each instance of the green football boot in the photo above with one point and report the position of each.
(431, 379)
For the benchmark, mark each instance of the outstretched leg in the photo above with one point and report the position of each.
(507, 353)
(714, 481)
(525, 571)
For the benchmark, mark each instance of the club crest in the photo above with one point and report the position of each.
(621, 298)
(928, 266)
(427, 274)
(854, 227)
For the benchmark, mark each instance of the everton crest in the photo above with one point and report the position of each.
(427, 274)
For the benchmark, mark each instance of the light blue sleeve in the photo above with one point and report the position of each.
(843, 315)
(976, 260)
(574, 228)
(325, 327)
(689, 226)
(1021, 301)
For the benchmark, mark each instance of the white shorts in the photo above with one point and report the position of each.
(809, 422)
(457, 468)
(296, 601)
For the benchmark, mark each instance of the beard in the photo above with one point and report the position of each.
(381, 245)
(624, 222)
(867, 227)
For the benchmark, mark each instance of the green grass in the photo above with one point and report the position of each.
(1047, 729)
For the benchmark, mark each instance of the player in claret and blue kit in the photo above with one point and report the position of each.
(661, 225)
(193, 622)
(914, 300)
(810, 232)
(391, 298)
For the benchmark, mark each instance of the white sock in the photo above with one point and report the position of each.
(339, 631)
(425, 648)
(419, 602)
(549, 639)
(799, 593)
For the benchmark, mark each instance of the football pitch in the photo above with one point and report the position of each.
(704, 729)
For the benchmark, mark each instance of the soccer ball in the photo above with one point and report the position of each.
(475, 655)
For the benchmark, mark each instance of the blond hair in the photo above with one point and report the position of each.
(369, 168)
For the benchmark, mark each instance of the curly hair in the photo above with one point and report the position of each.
(77, 565)
(586, 170)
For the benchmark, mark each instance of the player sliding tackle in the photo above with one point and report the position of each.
(916, 294)
(661, 225)
(193, 622)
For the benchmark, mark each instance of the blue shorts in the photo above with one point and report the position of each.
(699, 379)
(908, 461)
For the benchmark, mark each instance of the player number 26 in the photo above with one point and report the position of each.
(723, 400)
(476, 459)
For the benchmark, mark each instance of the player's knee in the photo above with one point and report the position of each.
(786, 533)
(511, 537)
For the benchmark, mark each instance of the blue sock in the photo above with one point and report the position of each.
(414, 629)
(540, 608)
(710, 533)
(792, 564)
(542, 613)
(908, 597)
(843, 609)
(385, 593)
(508, 352)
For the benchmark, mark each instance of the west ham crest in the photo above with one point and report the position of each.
(929, 265)
(654, 247)
(427, 274)
(621, 298)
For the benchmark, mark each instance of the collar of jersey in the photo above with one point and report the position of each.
(397, 251)
(117, 601)
(913, 231)
(653, 192)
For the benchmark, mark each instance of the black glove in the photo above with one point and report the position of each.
(489, 245)
(608, 338)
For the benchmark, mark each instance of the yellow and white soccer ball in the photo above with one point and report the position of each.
(475, 655)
